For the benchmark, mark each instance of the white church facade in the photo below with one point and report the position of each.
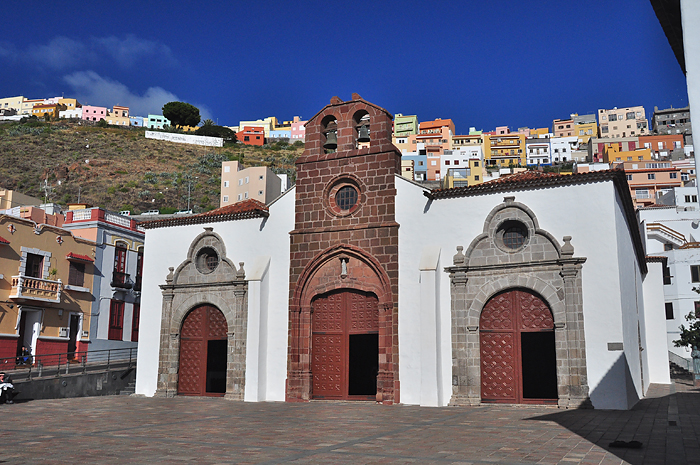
(360, 284)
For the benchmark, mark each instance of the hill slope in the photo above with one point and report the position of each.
(118, 168)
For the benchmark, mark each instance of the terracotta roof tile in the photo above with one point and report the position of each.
(237, 211)
(527, 179)
(77, 256)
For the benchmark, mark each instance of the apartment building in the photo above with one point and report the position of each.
(119, 116)
(93, 113)
(623, 122)
(251, 135)
(118, 261)
(436, 137)
(462, 167)
(257, 182)
(538, 151)
(596, 146)
(405, 125)
(46, 302)
(298, 129)
(156, 121)
(663, 145)
(649, 178)
(673, 121)
(12, 102)
(585, 127)
(51, 109)
(563, 127)
(504, 149)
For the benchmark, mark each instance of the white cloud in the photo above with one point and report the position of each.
(60, 53)
(130, 49)
(63, 53)
(93, 89)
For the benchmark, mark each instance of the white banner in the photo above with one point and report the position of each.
(186, 139)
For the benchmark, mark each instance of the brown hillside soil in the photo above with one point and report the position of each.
(118, 168)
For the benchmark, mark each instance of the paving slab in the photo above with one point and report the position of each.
(131, 429)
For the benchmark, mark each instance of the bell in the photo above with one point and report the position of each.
(331, 141)
(364, 134)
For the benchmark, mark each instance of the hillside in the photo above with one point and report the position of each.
(119, 169)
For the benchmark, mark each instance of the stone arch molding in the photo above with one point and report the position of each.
(187, 287)
(540, 265)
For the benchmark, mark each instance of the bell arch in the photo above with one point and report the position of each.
(341, 267)
(514, 252)
(206, 278)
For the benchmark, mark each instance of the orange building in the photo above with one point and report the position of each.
(662, 144)
(648, 178)
(251, 135)
(613, 154)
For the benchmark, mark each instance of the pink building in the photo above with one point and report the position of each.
(298, 129)
(91, 113)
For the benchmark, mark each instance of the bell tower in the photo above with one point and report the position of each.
(344, 249)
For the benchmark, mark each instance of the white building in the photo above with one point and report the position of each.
(538, 151)
(358, 284)
(77, 113)
(562, 148)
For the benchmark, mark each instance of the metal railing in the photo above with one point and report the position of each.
(57, 365)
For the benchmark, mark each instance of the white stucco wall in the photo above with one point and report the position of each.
(654, 341)
(585, 212)
(246, 241)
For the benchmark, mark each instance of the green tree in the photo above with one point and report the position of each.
(181, 114)
(208, 122)
(690, 336)
(213, 130)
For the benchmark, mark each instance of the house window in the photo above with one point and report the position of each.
(34, 266)
(673, 175)
(669, 310)
(697, 309)
(240, 182)
(651, 176)
(227, 169)
(476, 178)
(119, 276)
(695, 273)
(629, 177)
(245, 195)
(225, 183)
(667, 273)
(76, 274)
(225, 198)
(247, 179)
(260, 192)
(116, 320)
(135, 323)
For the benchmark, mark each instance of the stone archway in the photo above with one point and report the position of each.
(348, 269)
(518, 354)
(203, 353)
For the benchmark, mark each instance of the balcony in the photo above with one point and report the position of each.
(121, 280)
(36, 289)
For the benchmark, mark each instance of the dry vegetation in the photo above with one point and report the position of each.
(119, 169)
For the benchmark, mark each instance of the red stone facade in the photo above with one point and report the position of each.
(345, 248)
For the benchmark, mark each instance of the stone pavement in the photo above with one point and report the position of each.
(123, 429)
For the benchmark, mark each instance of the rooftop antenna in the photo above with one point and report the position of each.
(48, 190)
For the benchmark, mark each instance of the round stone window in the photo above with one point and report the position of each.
(346, 197)
(512, 235)
(207, 260)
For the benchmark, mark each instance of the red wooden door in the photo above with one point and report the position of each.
(503, 321)
(201, 325)
(337, 317)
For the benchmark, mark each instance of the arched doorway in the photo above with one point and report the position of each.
(518, 359)
(345, 345)
(203, 353)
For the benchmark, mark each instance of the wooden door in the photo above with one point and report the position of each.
(337, 317)
(509, 371)
(201, 326)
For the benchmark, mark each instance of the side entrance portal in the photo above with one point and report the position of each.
(345, 345)
(518, 359)
(203, 351)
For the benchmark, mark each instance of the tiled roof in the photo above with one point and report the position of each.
(77, 256)
(3, 241)
(238, 211)
(528, 180)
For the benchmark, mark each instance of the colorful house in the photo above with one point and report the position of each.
(505, 149)
(156, 122)
(92, 113)
(251, 135)
(46, 278)
(119, 116)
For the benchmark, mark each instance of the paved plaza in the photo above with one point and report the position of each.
(131, 429)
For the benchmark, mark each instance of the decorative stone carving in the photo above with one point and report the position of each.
(540, 265)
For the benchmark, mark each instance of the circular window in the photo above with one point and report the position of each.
(514, 237)
(207, 260)
(346, 197)
(511, 235)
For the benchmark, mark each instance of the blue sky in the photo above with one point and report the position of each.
(483, 64)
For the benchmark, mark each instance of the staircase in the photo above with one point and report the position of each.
(129, 389)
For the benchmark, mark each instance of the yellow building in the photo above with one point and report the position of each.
(612, 153)
(505, 149)
(46, 280)
(50, 109)
(70, 103)
(12, 102)
(463, 177)
(10, 199)
(539, 132)
(407, 169)
(584, 131)
(119, 116)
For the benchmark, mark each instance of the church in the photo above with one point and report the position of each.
(358, 284)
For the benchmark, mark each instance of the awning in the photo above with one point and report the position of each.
(79, 258)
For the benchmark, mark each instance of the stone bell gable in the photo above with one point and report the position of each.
(345, 219)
